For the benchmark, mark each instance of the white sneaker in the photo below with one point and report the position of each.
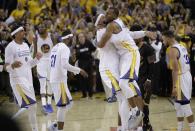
(135, 119)
(53, 127)
(139, 129)
(119, 128)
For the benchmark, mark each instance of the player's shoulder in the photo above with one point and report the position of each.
(11, 45)
(61, 46)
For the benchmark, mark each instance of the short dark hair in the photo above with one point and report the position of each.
(66, 32)
(116, 11)
(169, 34)
(15, 26)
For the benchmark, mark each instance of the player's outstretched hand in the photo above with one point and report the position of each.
(83, 73)
(16, 64)
(38, 55)
(151, 35)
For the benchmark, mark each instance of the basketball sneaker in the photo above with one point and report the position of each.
(135, 119)
(49, 108)
(45, 110)
(53, 127)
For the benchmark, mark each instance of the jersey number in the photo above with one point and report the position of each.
(187, 59)
(53, 60)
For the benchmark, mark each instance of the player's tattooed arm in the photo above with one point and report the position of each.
(107, 35)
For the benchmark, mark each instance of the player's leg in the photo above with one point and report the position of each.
(189, 115)
(32, 116)
(186, 92)
(42, 75)
(49, 97)
(111, 84)
(146, 94)
(124, 114)
(25, 98)
(62, 99)
(180, 116)
(107, 90)
(43, 93)
(127, 84)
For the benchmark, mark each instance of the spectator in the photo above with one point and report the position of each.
(84, 50)
(16, 14)
(156, 78)
(4, 76)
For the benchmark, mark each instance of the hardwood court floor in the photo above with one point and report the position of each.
(97, 115)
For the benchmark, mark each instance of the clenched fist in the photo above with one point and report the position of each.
(16, 64)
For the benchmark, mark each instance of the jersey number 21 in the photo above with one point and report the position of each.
(53, 60)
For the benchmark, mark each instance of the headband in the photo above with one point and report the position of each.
(67, 36)
(98, 19)
(17, 30)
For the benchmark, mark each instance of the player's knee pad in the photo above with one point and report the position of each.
(61, 112)
(42, 82)
(179, 111)
(187, 110)
(126, 89)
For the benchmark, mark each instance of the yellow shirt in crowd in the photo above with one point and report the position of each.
(17, 14)
(34, 7)
(89, 4)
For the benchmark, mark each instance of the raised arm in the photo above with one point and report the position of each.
(107, 35)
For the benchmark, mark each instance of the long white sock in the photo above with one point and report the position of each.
(61, 113)
(32, 117)
(43, 99)
(140, 129)
(124, 114)
(49, 100)
(192, 126)
(180, 126)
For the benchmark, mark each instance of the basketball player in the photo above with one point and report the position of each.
(43, 43)
(178, 62)
(19, 62)
(128, 65)
(110, 71)
(59, 64)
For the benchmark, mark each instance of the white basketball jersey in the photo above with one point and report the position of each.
(16, 52)
(41, 42)
(57, 73)
(120, 23)
(123, 40)
(184, 61)
(109, 59)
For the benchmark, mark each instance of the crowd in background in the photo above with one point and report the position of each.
(79, 16)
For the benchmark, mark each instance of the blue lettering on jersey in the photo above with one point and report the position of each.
(53, 60)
